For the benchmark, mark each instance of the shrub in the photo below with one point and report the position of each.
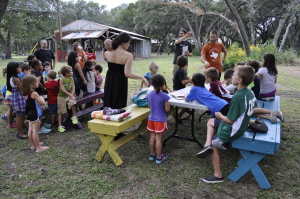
(196, 52)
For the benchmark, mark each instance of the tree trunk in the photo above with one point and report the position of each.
(278, 31)
(284, 37)
(240, 25)
(3, 6)
(196, 42)
(5, 43)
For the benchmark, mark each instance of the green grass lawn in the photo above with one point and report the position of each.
(68, 169)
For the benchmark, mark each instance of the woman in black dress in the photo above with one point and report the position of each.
(119, 70)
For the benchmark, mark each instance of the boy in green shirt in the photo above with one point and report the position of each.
(233, 125)
(66, 96)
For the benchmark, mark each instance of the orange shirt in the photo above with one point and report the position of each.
(81, 58)
(212, 54)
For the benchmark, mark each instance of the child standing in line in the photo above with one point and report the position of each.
(25, 70)
(14, 85)
(79, 79)
(52, 87)
(99, 79)
(153, 67)
(66, 96)
(216, 87)
(47, 67)
(33, 111)
(267, 75)
(233, 125)
(37, 70)
(158, 102)
(90, 76)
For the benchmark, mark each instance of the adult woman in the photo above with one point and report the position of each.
(81, 54)
(119, 70)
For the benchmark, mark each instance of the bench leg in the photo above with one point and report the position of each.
(106, 141)
(250, 162)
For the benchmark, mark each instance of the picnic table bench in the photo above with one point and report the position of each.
(254, 146)
(108, 130)
(86, 99)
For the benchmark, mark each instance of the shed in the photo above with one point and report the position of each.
(93, 34)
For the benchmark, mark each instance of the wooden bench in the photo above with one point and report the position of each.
(254, 147)
(108, 130)
(89, 98)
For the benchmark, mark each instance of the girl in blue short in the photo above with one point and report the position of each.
(14, 85)
(158, 102)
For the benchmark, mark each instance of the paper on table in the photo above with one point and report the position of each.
(179, 96)
(184, 49)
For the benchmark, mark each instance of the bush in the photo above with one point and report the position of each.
(237, 54)
(196, 52)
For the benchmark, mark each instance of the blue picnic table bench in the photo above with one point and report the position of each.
(254, 146)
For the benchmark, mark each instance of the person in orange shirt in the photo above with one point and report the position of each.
(81, 54)
(211, 53)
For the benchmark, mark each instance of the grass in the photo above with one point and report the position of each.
(68, 169)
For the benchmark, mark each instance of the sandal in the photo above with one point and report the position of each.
(20, 137)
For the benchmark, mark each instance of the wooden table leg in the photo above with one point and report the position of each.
(106, 141)
(250, 162)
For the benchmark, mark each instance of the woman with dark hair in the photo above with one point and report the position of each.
(119, 70)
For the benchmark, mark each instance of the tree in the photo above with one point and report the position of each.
(3, 5)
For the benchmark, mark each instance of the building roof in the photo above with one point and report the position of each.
(87, 29)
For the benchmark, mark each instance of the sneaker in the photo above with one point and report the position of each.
(273, 117)
(152, 157)
(162, 158)
(42, 148)
(74, 120)
(279, 115)
(4, 117)
(44, 130)
(213, 179)
(205, 152)
(61, 129)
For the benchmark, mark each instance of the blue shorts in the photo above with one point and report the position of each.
(20, 113)
(52, 108)
(217, 123)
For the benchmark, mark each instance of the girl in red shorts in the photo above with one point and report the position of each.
(158, 102)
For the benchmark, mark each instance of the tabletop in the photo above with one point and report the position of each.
(182, 103)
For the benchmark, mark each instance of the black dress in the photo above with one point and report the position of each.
(116, 86)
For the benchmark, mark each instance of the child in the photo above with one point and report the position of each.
(267, 76)
(79, 79)
(99, 79)
(216, 87)
(227, 81)
(203, 96)
(52, 87)
(47, 67)
(31, 58)
(153, 67)
(8, 117)
(180, 80)
(158, 102)
(90, 76)
(25, 70)
(14, 85)
(255, 85)
(37, 69)
(90, 54)
(231, 126)
(107, 47)
(33, 111)
(66, 96)
(58, 75)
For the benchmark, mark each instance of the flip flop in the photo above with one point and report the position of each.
(20, 137)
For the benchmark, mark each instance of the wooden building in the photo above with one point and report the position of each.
(93, 34)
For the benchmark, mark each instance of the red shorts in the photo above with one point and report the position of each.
(157, 127)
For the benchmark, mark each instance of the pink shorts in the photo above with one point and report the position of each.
(157, 127)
